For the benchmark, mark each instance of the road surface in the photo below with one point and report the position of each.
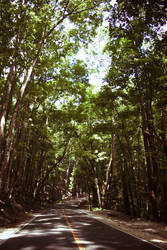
(69, 228)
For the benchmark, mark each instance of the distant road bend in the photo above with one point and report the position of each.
(69, 228)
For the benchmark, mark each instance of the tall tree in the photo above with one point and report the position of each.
(135, 28)
(35, 35)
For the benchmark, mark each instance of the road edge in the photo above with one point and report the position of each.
(106, 221)
(13, 231)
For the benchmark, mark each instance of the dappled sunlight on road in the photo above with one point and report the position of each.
(159, 241)
(66, 228)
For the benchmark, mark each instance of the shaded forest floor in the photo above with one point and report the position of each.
(13, 218)
(13, 215)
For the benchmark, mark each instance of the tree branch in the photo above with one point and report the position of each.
(52, 168)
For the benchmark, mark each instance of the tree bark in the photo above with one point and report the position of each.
(153, 172)
(6, 101)
(98, 187)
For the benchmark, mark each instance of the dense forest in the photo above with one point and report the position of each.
(59, 137)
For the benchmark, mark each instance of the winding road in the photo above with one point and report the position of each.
(67, 227)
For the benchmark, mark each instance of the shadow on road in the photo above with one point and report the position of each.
(50, 231)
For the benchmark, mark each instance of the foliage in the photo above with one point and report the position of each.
(58, 137)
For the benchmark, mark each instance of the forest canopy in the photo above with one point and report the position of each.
(58, 136)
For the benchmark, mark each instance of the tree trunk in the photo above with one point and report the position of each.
(6, 101)
(106, 185)
(48, 172)
(153, 171)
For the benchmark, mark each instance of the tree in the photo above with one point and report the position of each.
(135, 28)
(37, 42)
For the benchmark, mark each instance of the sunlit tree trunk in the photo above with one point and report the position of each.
(98, 187)
(5, 105)
(106, 186)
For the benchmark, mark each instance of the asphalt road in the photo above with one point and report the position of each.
(70, 228)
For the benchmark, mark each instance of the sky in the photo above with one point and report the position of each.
(97, 61)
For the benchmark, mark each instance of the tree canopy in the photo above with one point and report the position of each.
(58, 136)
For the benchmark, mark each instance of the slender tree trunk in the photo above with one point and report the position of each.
(114, 163)
(49, 171)
(98, 187)
(6, 101)
(114, 169)
(20, 140)
(28, 75)
(153, 172)
(163, 138)
(106, 185)
(125, 186)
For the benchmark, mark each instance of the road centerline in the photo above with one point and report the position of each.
(72, 231)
